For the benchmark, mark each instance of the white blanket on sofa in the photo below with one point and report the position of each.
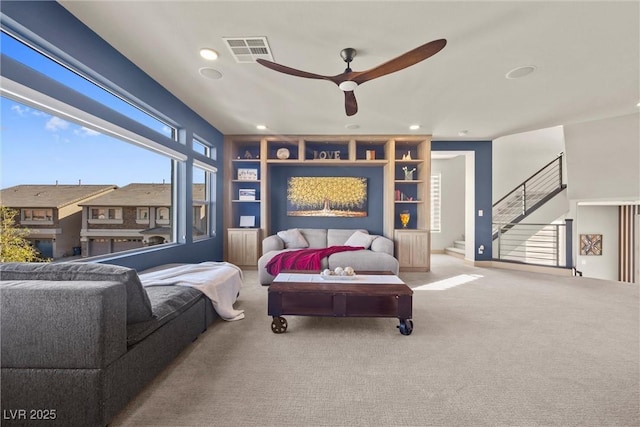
(219, 281)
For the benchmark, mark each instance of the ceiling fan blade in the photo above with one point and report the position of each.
(290, 71)
(401, 62)
(350, 104)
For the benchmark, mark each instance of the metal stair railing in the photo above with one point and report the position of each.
(539, 244)
(528, 196)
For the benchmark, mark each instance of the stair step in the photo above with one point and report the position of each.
(459, 244)
(457, 252)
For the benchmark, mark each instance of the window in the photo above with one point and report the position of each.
(204, 148)
(29, 56)
(37, 215)
(200, 147)
(203, 181)
(107, 214)
(77, 143)
(162, 216)
(142, 215)
(435, 203)
(67, 146)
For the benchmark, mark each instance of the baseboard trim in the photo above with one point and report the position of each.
(524, 267)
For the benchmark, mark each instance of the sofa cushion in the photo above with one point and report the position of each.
(364, 260)
(138, 304)
(167, 303)
(293, 239)
(317, 237)
(360, 239)
(338, 236)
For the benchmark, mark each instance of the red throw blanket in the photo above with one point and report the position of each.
(304, 259)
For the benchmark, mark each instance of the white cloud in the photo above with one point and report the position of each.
(83, 131)
(55, 123)
(23, 111)
(20, 110)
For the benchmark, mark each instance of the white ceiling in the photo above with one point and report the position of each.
(587, 57)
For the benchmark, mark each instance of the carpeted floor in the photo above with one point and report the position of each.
(489, 348)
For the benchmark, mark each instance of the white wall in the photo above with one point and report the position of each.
(598, 220)
(603, 165)
(517, 157)
(453, 201)
(603, 159)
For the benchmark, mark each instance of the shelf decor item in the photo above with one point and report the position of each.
(247, 221)
(247, 194)
(408, 174)
(404, 218)
(247, 174)
(282, 153)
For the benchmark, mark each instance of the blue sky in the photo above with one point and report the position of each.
(38, 148)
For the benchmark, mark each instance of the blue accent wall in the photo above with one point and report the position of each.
(483, 189)
(278, 176)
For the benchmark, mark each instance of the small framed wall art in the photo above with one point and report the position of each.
(591, 244)
(247, 194)
(245, 174)
(247, 221)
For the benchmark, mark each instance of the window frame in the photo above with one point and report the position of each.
(142, 219)
(436, 203)
(118, 217)
(31, 221)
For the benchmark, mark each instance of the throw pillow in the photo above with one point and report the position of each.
(293, 239)
(360, 239)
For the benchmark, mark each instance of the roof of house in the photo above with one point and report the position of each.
(50, 196)
(139, 194)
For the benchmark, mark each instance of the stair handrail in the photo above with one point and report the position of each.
(529, 195)
(523, 183)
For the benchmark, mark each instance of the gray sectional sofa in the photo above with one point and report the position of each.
(377, 256)
(80, 340)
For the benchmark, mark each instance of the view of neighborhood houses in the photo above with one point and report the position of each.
(77, 191)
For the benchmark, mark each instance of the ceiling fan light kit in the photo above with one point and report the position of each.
(349, 80)
(348, 85)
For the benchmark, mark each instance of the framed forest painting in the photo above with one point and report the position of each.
(327, 196)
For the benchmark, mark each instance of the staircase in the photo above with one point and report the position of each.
(536, 241)
(457, 250)
(527, 197)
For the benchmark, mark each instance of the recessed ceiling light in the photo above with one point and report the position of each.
(209, 54)
(638, 104)
(352, 126)
(210, 73)
(519, 72)
(261, 127)
(463, 132)
(414, 127)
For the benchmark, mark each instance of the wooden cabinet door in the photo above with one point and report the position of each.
(243, 247)
(412, 248)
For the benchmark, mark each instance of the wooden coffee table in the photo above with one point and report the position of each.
(369, 294)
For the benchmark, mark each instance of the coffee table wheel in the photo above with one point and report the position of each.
(406, 326)
(279, 325)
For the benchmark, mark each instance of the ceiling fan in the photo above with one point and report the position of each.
(349, 79)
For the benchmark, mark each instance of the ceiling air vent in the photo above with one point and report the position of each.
(248, 49)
